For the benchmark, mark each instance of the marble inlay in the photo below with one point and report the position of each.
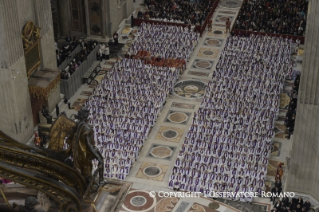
(222, 18)
(190, 89)
(217, 32)
(172, 134)
(213, 205)
(231, 4)
(182, 207)
(198, 73)
(138, 201)
(169, 134)
(134, 201)
(227, 12)
(275, 149)
(161, 152)
(152, 171)
(183, 105)
(177, 117)
(203, 64)
(213, 42)
(243, 206)
(207, 52)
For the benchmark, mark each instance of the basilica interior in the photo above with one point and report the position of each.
(159, 105)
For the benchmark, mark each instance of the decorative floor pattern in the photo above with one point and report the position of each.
(152, 171)
(141, 201)
(275, 149)
(172, 134)
(196, 207)
(280, 131)
(223, 19)
(78, 104)
(86, 93)
(198, 73)
(159, 151)
(227, 12)
(241, 206)
(231, 4)
(183, 105)
(203, 64)
(190, 89)
(284, 101)
(216, 32)
(182, 207)
(177, 117)
(213, 42)
(208, 52)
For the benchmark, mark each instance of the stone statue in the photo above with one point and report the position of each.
(46, 114)
(83, 148)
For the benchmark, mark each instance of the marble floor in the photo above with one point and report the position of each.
(153, 167)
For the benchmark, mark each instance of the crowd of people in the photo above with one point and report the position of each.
(178, 11)
(164, 41)
(273, 16)
(293, 205)
(228, 144)
(66, 50)
(291, 113)
(123, 109)
(87, 48)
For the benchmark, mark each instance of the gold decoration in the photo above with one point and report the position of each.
(31, 38)
(30, 34)
(61, 128)
(44, 92)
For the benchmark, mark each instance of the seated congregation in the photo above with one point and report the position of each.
(273, 16)
(228, 144)
(178, 11)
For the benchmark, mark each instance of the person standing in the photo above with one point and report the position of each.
(116, 38)
(57, 110)
(228, 23)
(107, 52)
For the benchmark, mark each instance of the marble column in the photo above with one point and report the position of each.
(64, 17)
(16, 118)
(303, 175)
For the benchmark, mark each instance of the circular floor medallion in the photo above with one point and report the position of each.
(134, 205)
(170, 134)
(177, 117)
(213, 205)
(161, 152)
(232, 4)
(138, 201)
(218, 32)
(203, 64)
(208, 52)
(190, 89)
(152, 171)
(213, 42)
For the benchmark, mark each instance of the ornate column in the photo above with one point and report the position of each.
(303, 175)
(64, 17)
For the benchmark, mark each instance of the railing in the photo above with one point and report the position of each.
(68, 60)
(70, 86)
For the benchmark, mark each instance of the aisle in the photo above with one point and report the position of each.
(152, 169)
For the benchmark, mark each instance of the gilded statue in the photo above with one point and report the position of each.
(30, 34)
(81, 144)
